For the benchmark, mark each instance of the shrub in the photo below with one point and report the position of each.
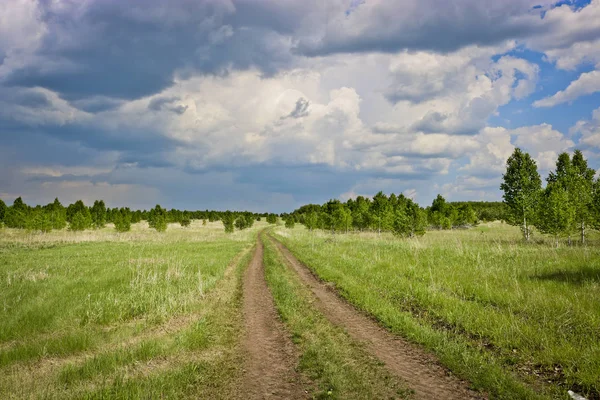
(290, 222)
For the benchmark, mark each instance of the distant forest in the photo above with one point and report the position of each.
(394, 213)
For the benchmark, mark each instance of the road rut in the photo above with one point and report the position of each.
(417, 368)
(270, 370)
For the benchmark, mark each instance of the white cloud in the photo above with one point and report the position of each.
(589, 131)
(587, 83)
(569, 37)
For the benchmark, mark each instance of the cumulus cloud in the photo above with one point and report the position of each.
(291, 101)
(587, 83)
(589, 131)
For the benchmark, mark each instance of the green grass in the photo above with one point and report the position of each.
(510, 317)
(138, 315)
(339, 367)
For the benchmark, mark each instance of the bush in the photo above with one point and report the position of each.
(185, 222)
(240, 223)
(290, 222)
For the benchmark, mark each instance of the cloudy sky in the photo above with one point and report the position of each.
(270, 104)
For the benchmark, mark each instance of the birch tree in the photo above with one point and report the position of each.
(522, 187)
(557, 214)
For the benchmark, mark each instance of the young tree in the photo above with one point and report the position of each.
(122, 220)
(382, 214)
(342, 219)
(58, 215)
(595, 207)
(81, 221)
(157, 219)
(402, 224)
(290, 222)
(582, 193)
(557, 215)
(417, 219)
(3, 208)
(272, 218)
(136, 217)
(360, 213)
(38, 220)
(311, 220)
(204, 222)
(19, 205)
(522, 187)
(74, 208)
(466, 215)
(249, 219)
(228, 219)
(98, 212)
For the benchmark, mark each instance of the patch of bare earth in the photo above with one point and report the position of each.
(419, 369)
(270, 369)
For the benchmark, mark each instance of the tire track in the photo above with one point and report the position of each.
(270, 367)
(417, 368)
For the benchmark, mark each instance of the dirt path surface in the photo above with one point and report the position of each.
(417, 368)
(270, 368)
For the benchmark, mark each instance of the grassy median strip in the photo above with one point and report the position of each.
(339, 367)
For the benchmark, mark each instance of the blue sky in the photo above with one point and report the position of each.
(267, 105)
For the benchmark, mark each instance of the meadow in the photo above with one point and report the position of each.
(143, 314)
(517, 320)
(99, 314)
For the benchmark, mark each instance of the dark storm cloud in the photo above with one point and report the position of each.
(424, 25)
(143, 142)
(133, 49)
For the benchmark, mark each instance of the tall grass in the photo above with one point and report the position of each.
(101, 314)
(497, 311)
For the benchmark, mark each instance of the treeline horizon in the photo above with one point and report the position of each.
(394, 213)
(78, 216)
(568, 204)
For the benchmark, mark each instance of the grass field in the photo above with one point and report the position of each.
(517, 320)
(137, 315)
(98, 314)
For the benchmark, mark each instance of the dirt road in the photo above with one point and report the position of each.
(271, 362)
(417, 368)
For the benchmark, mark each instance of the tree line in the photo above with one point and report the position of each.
(568, 205)
(78, 217)
(394, 213)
